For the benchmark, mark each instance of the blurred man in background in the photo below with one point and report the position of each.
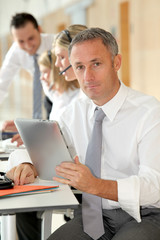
(29, 43)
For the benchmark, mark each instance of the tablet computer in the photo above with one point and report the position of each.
(45, 144)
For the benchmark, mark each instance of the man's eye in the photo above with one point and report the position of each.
(97, 64)
(31, 39)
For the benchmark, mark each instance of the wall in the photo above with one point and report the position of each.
(102, 14)
(145, 46)
(51, 22)
(39, 8)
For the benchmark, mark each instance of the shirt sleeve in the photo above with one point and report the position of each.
(17, 157)
(8, 70)
(128, 196)
(143, 189)
(136, 191)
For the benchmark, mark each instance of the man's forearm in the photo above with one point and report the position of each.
(106, 189)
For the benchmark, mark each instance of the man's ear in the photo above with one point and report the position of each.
(39, 29)
(117, 62)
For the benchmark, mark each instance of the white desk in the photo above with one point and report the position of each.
(4, 156)
(45, 202)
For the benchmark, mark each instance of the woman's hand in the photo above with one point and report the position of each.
(18, 139)
(9, 126)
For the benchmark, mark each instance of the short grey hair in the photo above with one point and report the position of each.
(96, 33)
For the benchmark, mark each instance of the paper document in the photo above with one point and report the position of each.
(26, 189)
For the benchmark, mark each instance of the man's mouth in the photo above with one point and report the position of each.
(91, 86)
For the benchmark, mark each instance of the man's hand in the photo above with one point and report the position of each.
(9, 126)
(76, 175)
(80, 177)
(22, 174)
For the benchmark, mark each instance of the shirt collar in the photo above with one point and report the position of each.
(112, 107)
(42, 46)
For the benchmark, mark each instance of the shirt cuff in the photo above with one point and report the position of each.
(128, 196)
(17, 157)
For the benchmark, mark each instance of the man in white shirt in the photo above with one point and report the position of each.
(129, 185)
(28, 41)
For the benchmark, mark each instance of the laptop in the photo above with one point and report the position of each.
(45, 144)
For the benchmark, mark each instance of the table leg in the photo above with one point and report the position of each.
(46, 217)
(8, 227)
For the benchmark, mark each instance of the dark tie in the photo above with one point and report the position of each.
(37, 91)
(91, 204)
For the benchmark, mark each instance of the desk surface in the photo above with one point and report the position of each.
(3, 155)
(61, 198)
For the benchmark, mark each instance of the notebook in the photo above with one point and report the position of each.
(45, 144)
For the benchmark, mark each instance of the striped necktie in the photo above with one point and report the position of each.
(91, 204)
(37, 91)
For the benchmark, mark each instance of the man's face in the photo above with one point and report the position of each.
(95, 70)
(27, 37)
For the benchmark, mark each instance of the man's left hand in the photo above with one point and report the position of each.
(76, 175)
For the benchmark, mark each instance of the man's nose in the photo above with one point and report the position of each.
(88, 75)
(27, 45)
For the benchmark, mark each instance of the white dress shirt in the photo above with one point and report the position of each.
(16, 59)
(130, 146)
(130, 151)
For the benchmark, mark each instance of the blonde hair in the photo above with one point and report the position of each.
(63, 40)
(48, 60)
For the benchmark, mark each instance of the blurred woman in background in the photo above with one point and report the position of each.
(55, 87)
(61, 44)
